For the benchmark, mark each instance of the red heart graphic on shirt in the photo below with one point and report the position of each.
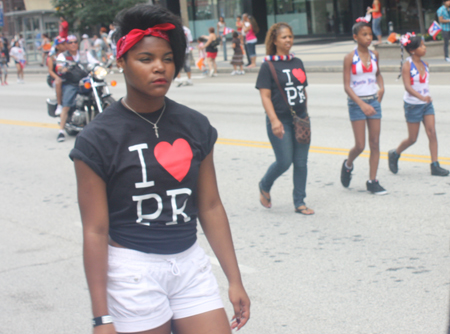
(299, 74)
(176, 159)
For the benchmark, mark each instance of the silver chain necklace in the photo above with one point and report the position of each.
(155, 125)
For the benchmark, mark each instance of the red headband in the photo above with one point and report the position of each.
(129, 40)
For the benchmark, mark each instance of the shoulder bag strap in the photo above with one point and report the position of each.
(275, 77)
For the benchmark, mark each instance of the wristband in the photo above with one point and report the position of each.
(103, 320)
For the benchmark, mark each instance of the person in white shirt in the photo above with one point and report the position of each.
(110, 39)
(187, 60)
(18, 55)
(98, 47)
(70, 84)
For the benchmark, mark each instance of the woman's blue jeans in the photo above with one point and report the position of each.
(287, 151)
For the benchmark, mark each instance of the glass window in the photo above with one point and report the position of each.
(321, 16)
(205, 13)
(292, 12)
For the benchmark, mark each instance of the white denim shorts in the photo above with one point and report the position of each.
(147, 290)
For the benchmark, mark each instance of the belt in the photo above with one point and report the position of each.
(365, 98)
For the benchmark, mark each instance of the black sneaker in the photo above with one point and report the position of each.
(437, 170)
(375, 188)
(346, 175)
(393, 161)
(60, 137)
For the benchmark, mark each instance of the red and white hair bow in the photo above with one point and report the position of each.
(134, 36)
(365, 19)
(406, 38)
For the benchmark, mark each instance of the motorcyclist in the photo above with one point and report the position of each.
(71, 76)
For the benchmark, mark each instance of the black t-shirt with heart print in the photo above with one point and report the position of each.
(151, 182)
(292, 77)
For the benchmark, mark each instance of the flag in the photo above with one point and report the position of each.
(227, 31)
(200, 63)
(434, 29)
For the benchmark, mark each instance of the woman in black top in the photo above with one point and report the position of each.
(145, 173)
(292, 78)
(211, 51)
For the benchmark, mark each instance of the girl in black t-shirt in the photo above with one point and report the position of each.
(145, 172)
(280, 129)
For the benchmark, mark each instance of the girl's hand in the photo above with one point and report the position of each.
(426, 99)
(105, 329)
(241, 305)
(380, 94)
(368, 110)
(277, 128)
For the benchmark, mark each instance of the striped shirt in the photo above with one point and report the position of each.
(445, 13)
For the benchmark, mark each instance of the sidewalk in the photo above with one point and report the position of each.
(327, 57)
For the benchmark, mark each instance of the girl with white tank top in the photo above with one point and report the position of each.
(417, 104)
(364, 86)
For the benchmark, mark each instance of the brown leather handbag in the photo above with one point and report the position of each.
(302, 125)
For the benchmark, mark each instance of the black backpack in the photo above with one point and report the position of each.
(75, 73)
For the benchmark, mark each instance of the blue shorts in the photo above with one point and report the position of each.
(69, 93)
(414, 112)
(251, 49)
(376, 26)
(356, 113)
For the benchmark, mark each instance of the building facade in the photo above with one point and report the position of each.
(308, 18)
(31, 19)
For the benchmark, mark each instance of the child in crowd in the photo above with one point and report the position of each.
(417, 103)
(201, 55)
(364, 86)
(19, 59)
(237, 59)
(3, 61)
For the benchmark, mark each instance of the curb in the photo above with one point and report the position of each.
(310, 69)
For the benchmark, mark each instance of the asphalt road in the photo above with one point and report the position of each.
(362, 264)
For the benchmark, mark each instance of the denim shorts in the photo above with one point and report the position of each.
(251, 49)
(414, 112)
(376, 26)
(356, 113)
(69, 93)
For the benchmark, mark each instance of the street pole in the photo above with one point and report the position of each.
(184, 13)
(420, 12)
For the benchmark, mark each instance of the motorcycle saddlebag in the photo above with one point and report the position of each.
(51, 107)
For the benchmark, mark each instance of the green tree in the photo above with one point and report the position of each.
(82, 13)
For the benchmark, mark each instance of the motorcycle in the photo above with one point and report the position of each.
(93, 97)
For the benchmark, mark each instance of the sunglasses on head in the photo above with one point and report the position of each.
(73, 42)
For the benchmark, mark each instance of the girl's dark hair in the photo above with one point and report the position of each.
(235, 34)
(271, 36)
(410, 47)
(358, 26)
(202, 39)
(415, 43)
(146, 16)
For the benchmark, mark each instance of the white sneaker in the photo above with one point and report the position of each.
(234, 72)
(177, 80)
(214, 74)
(58, 110)
(211, 73)
(189, 82)
(447, 59)
(241, 73)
